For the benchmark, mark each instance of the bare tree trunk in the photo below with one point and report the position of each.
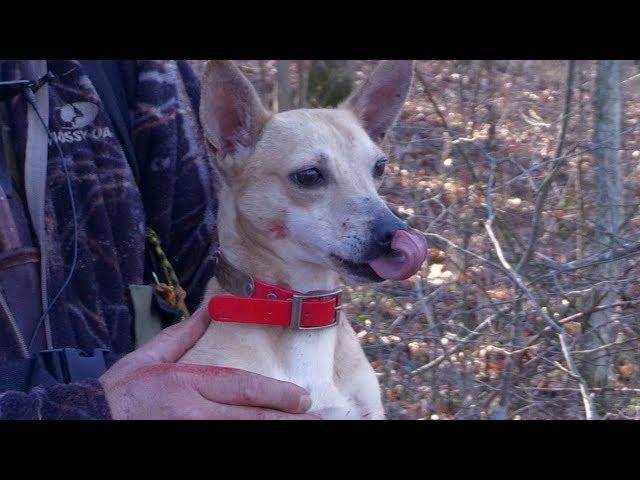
(558, 162)
(302, 83)
(284, 86)
(262, 65)
(581, 227)
(609, 210)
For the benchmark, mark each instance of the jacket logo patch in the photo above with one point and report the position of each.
(74, 117)
(77, 114)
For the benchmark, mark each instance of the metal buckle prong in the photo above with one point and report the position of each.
(296, 307)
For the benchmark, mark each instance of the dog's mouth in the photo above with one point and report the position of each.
(358, 270)
(408, 252)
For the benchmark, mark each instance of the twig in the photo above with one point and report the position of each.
(546, 184)
(468, 252)
(477, 331)
(590, 412)
(610, 255)
(571, 389)
(426, 309)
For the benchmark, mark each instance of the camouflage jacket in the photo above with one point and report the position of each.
(175, 197)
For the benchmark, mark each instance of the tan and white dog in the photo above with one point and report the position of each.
(298, 207)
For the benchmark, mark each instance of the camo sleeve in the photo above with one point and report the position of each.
(176, 175)
(74, 401)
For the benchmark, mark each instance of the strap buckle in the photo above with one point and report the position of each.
(69, 365)
(296, 308)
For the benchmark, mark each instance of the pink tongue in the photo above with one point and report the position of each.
(411, 249)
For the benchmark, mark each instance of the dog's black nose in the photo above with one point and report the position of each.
(385, 227)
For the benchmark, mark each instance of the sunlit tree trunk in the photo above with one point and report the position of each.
(285, 100)
(608, 212)
(302, 83)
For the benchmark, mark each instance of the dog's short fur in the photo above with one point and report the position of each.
(302, 238)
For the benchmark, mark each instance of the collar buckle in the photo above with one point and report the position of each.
(296, 308)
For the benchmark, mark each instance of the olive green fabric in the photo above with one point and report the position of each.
(147, 319)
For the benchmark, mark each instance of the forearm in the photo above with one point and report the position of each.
(74, 401)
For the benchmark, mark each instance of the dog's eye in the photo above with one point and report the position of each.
(378, 169)
(307, 178)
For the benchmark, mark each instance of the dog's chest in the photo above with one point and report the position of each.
(311, 363)
(340, 381)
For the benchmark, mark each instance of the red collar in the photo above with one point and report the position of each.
(266, 304)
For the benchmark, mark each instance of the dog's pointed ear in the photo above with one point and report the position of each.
(231, 113)
(378, 101)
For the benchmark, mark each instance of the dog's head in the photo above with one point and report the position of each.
(304, 182)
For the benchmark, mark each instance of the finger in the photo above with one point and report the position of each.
(238, 387)
(172, 342)
(232, 412)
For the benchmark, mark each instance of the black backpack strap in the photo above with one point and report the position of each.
(5, 176)
(107, 79)
(23, 374)
(50, 367)
(5, 173)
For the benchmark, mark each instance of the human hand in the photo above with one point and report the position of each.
(148, 384)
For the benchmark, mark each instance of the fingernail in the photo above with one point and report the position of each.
(305, 403)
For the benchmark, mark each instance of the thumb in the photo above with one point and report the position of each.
(172, 342)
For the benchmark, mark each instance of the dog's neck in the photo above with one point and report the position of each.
(249, 251)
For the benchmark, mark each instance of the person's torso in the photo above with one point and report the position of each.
(93, 310)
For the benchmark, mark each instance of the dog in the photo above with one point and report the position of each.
(299, 210)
